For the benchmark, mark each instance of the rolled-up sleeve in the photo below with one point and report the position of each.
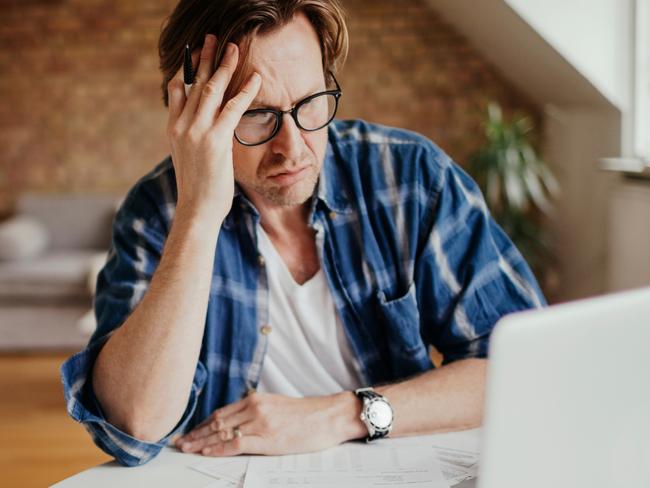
(83, 407)
(135, 252)
(469, 272)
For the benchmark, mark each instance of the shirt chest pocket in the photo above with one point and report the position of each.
(400, 320)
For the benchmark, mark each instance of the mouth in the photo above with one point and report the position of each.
(289, 177)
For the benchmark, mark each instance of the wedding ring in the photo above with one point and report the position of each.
(236, 432)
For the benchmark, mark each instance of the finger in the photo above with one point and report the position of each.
(231, 408)
(199, 444)
(176, 97)
(215, 88)
(223, 427)
(251, 444)
(177, 104)
(214, 417)
(236, 419)
(214, 422)
(205, 69)
(199, 432)
(209, 419)
(203, 72)
(237, 105)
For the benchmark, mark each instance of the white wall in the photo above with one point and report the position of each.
(629, 236)
(595, 36)
(574, 58)
(603, 232)
(575, 138)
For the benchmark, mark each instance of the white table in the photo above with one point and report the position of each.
(171, 468)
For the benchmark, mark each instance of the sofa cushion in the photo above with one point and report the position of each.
(59, 276)
(22, 237)
(74, 221)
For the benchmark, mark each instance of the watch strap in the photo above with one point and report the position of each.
(369, 394)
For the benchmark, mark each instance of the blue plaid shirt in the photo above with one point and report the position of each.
(409, 249)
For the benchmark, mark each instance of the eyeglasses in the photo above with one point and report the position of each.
(260, 125)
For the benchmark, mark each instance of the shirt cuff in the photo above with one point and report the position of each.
(83, 407)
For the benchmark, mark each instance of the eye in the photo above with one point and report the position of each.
(311, 103)
(258, 118)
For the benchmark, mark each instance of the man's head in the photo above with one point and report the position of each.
(293, 45)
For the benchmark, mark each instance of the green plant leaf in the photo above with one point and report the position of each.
(517, 184)
(536, 191)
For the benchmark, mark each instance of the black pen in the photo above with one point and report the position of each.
(188, 72)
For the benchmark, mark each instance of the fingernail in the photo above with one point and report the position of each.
(186, 446)
(231, 48)
(206, 450)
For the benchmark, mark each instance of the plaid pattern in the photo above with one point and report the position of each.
(409, 249)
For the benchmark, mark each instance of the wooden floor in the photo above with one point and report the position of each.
(39, 443)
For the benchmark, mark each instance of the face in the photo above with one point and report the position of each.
(284, 170)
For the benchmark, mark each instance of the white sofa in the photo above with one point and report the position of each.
(45, 292)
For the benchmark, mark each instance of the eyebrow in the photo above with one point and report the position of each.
(261, 104)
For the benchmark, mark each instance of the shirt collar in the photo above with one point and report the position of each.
(240, 204)
(331, 187)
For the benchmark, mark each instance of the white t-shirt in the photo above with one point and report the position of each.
(308, 352)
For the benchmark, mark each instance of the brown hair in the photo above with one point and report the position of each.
(238, 21)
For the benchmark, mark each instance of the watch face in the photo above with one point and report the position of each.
(380, 414)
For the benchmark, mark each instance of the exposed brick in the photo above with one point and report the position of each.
(82, 108)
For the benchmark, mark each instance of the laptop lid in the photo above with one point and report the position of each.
(568, 396)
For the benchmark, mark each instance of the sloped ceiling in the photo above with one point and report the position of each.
(519, 52)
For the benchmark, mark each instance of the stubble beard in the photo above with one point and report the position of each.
(285, 195)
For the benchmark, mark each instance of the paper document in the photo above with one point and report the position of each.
(458, 452)
(457, 465)
(352, 465)
(228, 472)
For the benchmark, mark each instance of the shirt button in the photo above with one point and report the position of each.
(332, 215)
(266, 329)
(260, 260)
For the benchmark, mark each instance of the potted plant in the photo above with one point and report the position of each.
(518, 185)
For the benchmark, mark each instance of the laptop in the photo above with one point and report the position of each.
(568, 396)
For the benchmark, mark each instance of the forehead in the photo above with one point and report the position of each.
(289, 61)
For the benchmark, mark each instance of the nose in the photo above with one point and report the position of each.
(288, 141)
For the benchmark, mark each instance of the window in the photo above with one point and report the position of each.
(642, 81)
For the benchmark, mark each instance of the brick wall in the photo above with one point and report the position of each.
(82, 110)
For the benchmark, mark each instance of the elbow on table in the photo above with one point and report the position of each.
(147, 430)
(143, 427)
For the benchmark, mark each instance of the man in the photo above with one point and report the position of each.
(245, 317)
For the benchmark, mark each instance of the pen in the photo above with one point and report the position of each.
(188, 72)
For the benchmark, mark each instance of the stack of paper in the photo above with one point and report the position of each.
(457, 465)
(436, 461)
(228, 472)
(353, 465)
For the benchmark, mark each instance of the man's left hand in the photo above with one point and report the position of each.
(275, 424)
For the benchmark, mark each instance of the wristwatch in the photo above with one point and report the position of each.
(376, 413)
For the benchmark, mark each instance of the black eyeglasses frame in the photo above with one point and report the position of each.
(293, 112)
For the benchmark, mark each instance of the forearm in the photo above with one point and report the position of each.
(446, 399)
(450, 398)
(143, 374)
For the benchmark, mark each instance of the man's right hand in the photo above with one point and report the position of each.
(201, 135)
(144, 372)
